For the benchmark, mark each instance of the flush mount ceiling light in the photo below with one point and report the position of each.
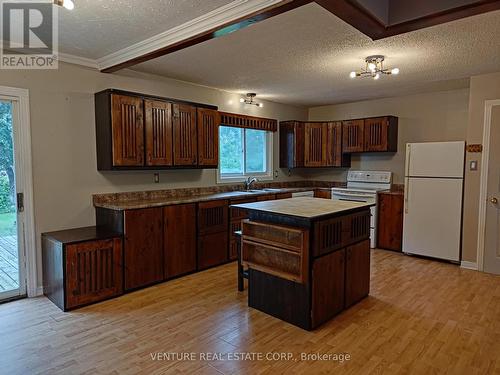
(68, 4)
(374, 68)
(249, 100)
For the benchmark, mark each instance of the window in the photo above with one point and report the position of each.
(243, 153)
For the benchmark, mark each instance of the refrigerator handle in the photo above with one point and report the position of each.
(407, 191)
(408, 155)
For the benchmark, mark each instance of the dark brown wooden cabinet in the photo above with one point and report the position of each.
(81, 266)
(312, 145)
(236, 215)
(135, 131)
(208, 137)
(326, 194)
(328, 286)
(390, 221)
(379, 134)
(179, 239)
(353, 136)
(357, 274)
(213, 226)
(315, 134)
(143, 253)
(127, 124)
(185, 135)
(158, 126)
(283, 195)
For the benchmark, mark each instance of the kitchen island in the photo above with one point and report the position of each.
(308, 258)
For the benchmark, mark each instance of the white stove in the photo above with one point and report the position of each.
(362, 186)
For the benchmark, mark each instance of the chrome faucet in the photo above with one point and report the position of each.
(249, 182)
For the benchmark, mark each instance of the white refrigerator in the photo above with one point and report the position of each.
(434, 177)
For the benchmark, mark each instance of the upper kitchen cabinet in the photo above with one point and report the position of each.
(379, 134)
(311, 144)
(208, 137)
(185, 142)
(135, 131)
(158, 133)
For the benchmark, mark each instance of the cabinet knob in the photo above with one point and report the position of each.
(494, 200)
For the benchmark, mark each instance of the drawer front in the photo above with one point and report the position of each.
(93, 271)
(268, 197)
(213, 217)
(275, 235)
(357, 227)
(283, 195)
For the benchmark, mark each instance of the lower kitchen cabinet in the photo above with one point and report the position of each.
(179, 239)
(143, 253)
(328, 286)
(81, 266)
(390, 221)
(283, 195)
(326, 194)
(212, 249)
(357, 272)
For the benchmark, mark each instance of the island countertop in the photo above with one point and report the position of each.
(304, 208)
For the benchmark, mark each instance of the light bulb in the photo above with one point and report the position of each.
(260, 105)
(376, 76)
(353, 75)
(372, 66)
(69, 4)
(395, 71)
(242, 100)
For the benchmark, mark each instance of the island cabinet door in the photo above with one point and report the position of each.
(185, 134)
(357, 278)
(328, 277)
(180, 239)
(143, 251)
(93, 271)
(127, 121)
(158, 133)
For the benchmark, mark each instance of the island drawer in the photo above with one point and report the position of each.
(285, 237)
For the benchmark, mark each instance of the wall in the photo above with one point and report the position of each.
(63, 139)
(482, 88)
(437, 116)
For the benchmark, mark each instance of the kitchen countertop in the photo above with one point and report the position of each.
(131, 204)
(304, 207)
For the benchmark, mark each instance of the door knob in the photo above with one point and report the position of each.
(494, 200)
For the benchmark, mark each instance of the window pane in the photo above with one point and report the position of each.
(231, 150)
(256, 150)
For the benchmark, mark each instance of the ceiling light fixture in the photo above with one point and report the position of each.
(374, 68)
(68, 4)
(249, 100)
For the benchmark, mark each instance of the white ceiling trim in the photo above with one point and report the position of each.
(77, 60)
(215, 18)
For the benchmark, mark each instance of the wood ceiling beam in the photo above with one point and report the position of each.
(222, 30)
(348, 10)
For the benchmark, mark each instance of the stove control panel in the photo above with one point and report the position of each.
(378, 177)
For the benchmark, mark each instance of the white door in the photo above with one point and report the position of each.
(433, 217)
(12, 254)
(435, 159)
(492, 234)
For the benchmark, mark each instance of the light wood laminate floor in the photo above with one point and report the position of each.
(422, 317)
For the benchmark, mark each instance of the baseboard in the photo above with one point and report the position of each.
(468, 265)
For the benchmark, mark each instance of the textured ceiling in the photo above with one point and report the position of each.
(303, 57)
(96, 28)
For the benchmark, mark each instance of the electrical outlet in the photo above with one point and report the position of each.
(473, 165)
(157, 178)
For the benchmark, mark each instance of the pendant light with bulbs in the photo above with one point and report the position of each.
(374, 68)
(250, 100)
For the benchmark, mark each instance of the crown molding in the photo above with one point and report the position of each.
(216, 18)
(77, 60)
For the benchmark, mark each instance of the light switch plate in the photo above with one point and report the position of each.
(473, 165)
